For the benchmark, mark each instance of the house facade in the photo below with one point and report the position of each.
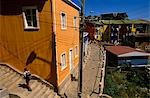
(43, 35)
(66, 29)
(26, 27)
(126, 32)
(90, 28)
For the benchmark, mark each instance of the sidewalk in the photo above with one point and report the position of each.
(91, 76)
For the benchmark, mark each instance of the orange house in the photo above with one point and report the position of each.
(26, 27)
(44, 32)
(66, 29)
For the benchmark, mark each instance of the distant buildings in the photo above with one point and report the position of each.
(114, 16)
(117, 29)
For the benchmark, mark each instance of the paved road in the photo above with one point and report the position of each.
(92, 72)
(91, 75)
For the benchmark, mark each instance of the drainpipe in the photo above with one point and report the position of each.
(53, 74)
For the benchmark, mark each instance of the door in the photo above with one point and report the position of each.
(71, 59)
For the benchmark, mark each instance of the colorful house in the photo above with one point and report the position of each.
(26, 27)
(66, 29)
(43, 35)
(90, 28)
(124, 31)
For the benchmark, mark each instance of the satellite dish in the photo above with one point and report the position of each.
(31, 58)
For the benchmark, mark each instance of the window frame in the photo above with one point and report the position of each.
(26, 27)
(75, 22)
(61, 19)
(76, 52)
(61, 61)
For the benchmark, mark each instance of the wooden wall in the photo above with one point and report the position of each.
(66, 39)
(16, 43)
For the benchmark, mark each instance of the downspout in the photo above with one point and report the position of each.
(53, 76)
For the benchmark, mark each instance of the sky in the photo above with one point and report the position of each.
(136, 9)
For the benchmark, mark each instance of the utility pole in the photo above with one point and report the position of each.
(81, 49)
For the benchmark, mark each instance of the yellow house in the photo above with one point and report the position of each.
(43, 35)
(26, 27)
(66, 29)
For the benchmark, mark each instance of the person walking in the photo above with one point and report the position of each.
(27, 76)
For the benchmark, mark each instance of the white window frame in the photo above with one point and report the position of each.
(24, 17)
(63, 26)
(76, 51)
(61, 61)
(75, 22)
(72, 58)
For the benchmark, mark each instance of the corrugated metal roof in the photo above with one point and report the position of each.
(125, 22)
(111, 21)
(134, 53)
(117, 50)
(135, 21)
(125, 50)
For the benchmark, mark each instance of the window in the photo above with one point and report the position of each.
(76, 51)
(31, 18)
(63, 21)
(63, 61)
(75, 22)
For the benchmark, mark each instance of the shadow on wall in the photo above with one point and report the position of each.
(34, 56)
(14, 7)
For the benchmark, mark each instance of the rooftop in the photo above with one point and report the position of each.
(125, 51)
(124, 22)
(72, 4)
(119, 49)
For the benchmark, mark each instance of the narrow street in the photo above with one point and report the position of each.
(92, 72)
(91, 75)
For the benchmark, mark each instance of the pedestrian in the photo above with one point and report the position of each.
(27, 76)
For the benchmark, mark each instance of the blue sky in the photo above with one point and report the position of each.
(136, 9)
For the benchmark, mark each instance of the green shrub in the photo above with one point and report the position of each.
(127, 85)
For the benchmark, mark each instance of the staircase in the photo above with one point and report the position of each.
(13, 81)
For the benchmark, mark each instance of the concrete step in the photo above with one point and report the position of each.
(52, 95)
(2, 67)
(43, 95)
(47, 93)
(5, 68)
(8, 78)
(6, 75)
(41, 92)
(35, 90)
(2, 72)
(20, 90)
(33, 84)
(11, 80)
(15, 81)
(56, 96)
(6, 96)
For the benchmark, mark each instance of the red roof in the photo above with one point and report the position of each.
(117, 50)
